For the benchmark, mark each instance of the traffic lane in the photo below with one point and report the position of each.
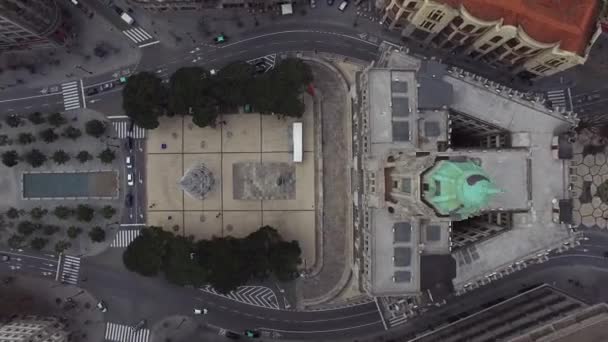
(140, 167)
(24, 105)
(40, 265)
(335, 334)
(108, 13)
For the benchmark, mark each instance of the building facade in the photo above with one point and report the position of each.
(33, 329)
(27, 24)
(451, 172)
(531, 39)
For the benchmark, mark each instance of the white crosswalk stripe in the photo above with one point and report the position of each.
(268, 61)
(124, 333)
(137, 34)
(71, 95)
(253, 295)
(557, 98)
(122, 128)
(124, 237)
(70, 269)
(397, 320)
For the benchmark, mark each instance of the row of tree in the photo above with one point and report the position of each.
(27, 228)
(38, 242)
(36, 118)
(194, 91)
(82, 212)
(225, 263)
(36, 158)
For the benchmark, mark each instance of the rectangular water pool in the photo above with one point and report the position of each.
(70, 185)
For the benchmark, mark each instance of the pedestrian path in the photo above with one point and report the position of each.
(138, 35)
(122, 127)
(124, 237)
(397, 320)
(253, 295)
(124, 333)
(70, 269)
(558, 98)
(71, 95)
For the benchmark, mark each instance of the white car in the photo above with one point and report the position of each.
(128, 162)
(130, 179)
(200, 311)
(342, 6)
(102, 306)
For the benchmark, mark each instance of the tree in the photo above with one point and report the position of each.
(72, 132)
(16, 241)
(61, 246)
(73, 232)
(284, 260)
(145, 254)
(38, 213)
(186, 88)
(107, 156)
(144, 99)
(178, 267)
(95, 128)
(35, 158)
(50, 229)
(26, 138)
(223, 262)
(36, 118)
(108, 211)
(233, 82)
(48, 135)
(84, 156)
(57, 119)
(62, 212)
(38, 243)
(60, 157)
(97, 234)
(13, 120)
(26, 228)
(84, 213)
(12, 213)
(10, 158)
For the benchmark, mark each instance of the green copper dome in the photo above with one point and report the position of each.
(458, 188)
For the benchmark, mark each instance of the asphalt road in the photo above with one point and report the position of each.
(41, 265)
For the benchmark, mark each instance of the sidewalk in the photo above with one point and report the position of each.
(35, 296)
(38, 68)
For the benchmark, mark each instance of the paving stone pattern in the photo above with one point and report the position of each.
(588, 172)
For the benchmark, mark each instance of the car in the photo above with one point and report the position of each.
(5, 257)
(102, 306)
(140, 325)
(232, 335)
(130, 179)
(220, 38)
(313, 3)
(252, 333)
(200, 311)
(342, 6)
(91, 91)
(107, 86)
(330, 2)
(605, 254)
(129, 200)
(128, 162)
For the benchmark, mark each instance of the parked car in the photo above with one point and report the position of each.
(102, 306)
(313, 3)
(91, 91)
(128, 162)
(129, 200)
(200, 311)
(342, 6)
(5, 257)
(130, 179)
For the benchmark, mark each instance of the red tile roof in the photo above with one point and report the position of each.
(570, 21)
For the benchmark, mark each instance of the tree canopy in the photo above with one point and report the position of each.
(225, 263)
(144, 99)
(95, 128)
(190, 92)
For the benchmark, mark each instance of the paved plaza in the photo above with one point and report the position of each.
(232, 152)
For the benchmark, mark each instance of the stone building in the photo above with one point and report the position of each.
(529, 38)
(27, 24)
(457, 179)
(33, 329)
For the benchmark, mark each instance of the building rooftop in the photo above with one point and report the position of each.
(569, 22)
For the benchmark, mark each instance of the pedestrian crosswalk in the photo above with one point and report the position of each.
(71, 95)
(253, 295)
(137, 35)
(124, 333)
(557, 98)
(122, 128)
(397, 320)
(124, 237)
(70, 269)
(265, 62)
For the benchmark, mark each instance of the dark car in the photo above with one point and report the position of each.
(232, 335)
(330, 2)
(130, 142)
(605, 254)
(252, 333)
(129, 200)
(91, 91)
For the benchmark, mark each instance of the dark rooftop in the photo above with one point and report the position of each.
(401, 131)
(402, 231)
(403, 276)
(400, 106)
(403, 256)
(433, 233)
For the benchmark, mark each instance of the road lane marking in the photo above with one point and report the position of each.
(29, 97)
(321, 331)
(300, 31)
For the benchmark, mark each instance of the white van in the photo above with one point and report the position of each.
(127, 18)
(343, 5)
